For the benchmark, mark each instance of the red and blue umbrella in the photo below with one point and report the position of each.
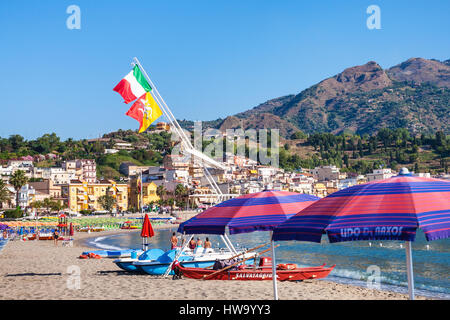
(247, 213)
(389, 209)
(261, 211)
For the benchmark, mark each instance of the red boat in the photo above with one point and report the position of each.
(285, 272)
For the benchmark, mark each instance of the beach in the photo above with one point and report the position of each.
(40, 270)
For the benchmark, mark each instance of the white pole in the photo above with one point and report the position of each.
(141, 202)
(164, 106)
(230, 243)
(274, 269)
(409, 269)
(169, 115)
(226, 244)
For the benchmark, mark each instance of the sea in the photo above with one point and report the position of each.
(375, 264)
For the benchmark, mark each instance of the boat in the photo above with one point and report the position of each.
(285, 272)
(42, 236)
(112, 253)
(128, 225)
(91, 229)
(197, 258)
(127, 263)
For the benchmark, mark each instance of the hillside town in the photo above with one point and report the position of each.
(180, 182)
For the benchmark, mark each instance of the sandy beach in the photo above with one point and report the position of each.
(40, 270)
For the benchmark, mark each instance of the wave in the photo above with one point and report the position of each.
(99, 242)
(387, 283)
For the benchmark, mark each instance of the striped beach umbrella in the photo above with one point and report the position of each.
(389, 209)
(261, 211)
(247, 213)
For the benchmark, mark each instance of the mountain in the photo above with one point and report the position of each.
(414, 94)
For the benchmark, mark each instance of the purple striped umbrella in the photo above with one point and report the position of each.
(389, 209)
(251, 212)
(261, 211)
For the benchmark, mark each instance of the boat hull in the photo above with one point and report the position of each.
(127, 265)
(297, 274)
(114, 253)
(160, 268)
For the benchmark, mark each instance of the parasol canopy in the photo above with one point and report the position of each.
(147, 229)
(251, 212)
(389, 209)
(71, 230)
(3, 226)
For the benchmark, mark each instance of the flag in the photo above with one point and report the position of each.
(139, 185)
(133, 85)
(145, 111)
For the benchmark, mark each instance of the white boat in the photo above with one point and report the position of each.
(197, 258)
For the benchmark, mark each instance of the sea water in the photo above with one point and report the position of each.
(355, 261)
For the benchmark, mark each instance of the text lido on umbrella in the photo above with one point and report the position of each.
(369, 232)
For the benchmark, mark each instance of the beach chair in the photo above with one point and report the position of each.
(67, 242)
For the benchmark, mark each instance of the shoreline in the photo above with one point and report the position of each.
(39, 270)
(336, 279)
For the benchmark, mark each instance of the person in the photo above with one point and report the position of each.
(207, 243)
(199, 242)
(55, 236)
(174, 241)
(192, 244)
(5, 234)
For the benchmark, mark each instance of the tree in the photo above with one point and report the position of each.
(298, 135)
(107, 201)
(37, 204)
(47, 204)
(181, 192)
(4, 193)
(18, 180)
(161, 191)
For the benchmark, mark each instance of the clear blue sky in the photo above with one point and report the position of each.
(208, 59)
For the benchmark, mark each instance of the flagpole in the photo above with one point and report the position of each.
(141, 187)
(164, 106)
(173, 121)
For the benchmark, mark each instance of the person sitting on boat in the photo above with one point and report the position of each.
(174, 241)
(192, 244)
(199, 243)
(207, 243)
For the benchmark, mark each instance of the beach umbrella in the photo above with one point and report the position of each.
(71, 230)
(3, 226)
(389, 209)
(261, 211)
(146, 232)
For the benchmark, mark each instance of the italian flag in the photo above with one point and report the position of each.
(133, 86)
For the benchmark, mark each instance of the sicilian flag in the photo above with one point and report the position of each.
(139, 185)
(145, 110)
(133, 86)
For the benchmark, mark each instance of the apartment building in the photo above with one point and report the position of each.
(83, 195)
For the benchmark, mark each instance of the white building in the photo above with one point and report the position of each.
(380, 174)
(265, 174)
(26, 196)
(326, 173)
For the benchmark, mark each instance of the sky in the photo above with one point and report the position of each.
(208, 59)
